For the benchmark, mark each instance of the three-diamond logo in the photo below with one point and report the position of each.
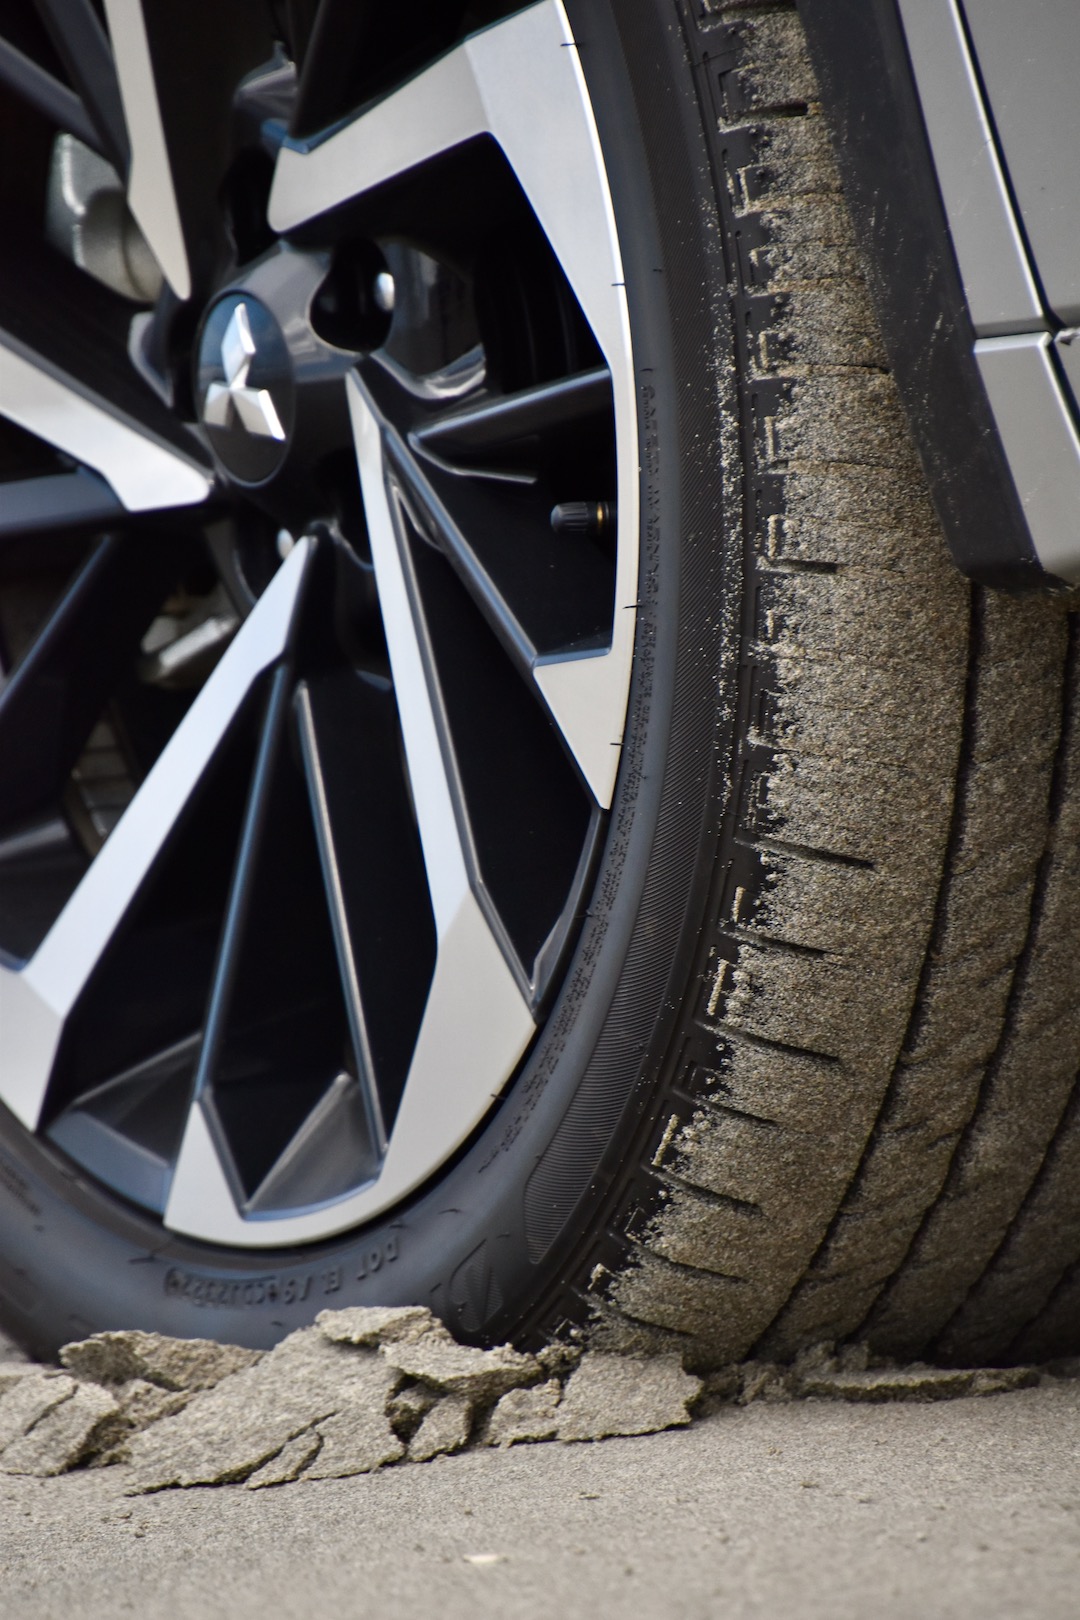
(233, 401)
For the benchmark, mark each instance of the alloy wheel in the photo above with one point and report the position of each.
(317, 594)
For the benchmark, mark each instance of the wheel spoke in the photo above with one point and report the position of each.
(503, 422)
(39, 89)
(437, 813)
(519, 81)
(475, 1010)
(146, 473)
(357, 46)
(127, 1130)
(56, 501)
(50, 705)
(178, 67)
(276, 1035)
(527, 810)
(65, 377)
(36, 1000)
(437, 521)
(83, 47)
(584, 690)
(151, 188)
(537, 593)
(373, 869)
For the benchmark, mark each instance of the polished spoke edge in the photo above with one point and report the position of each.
(145, 475)
(151, 192)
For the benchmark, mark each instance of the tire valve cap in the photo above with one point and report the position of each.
(592, 518)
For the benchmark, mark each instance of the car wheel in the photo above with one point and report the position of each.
(505, 801)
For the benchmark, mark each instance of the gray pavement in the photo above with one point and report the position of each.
(966, 1509)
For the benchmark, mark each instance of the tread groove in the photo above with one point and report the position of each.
(681, 1268)
(827, 857)
(726, 1111)
(734, 1033)
(705, 1195)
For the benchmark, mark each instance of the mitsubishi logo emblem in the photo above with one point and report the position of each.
(232, 400)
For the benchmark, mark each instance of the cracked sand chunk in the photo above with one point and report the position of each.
(891, 1384)
(525, 1414)
(356, 1440)
(191, 1364)
(446, 1428)
(762, 1381)
(1003, 1380)
(289, 1463)
(143, 1403)
(822, 1358)
(612, 1394)
(408, 1408)
(478, 1375)
(65, 1435)
(13, 1372)
(724, 1384)
(558, 1360)
(226, 1433)
(380, 1324)
(29, 1401)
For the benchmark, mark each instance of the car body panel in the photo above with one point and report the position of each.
(956, 163)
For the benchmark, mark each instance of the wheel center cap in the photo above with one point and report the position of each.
(245, 391)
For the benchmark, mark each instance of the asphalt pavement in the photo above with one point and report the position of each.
(967, 1509)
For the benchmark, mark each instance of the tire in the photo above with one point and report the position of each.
(807, 1070)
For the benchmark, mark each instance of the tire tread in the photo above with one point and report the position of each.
(898, 863)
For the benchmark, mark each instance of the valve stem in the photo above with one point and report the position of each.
(592, 518)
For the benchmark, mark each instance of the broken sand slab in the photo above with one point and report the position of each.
(367, 1388)
(361, 1389)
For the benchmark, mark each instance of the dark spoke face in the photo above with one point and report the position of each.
(318, 555)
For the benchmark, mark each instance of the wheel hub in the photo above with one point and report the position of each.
(246, 387)
(269, 391)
